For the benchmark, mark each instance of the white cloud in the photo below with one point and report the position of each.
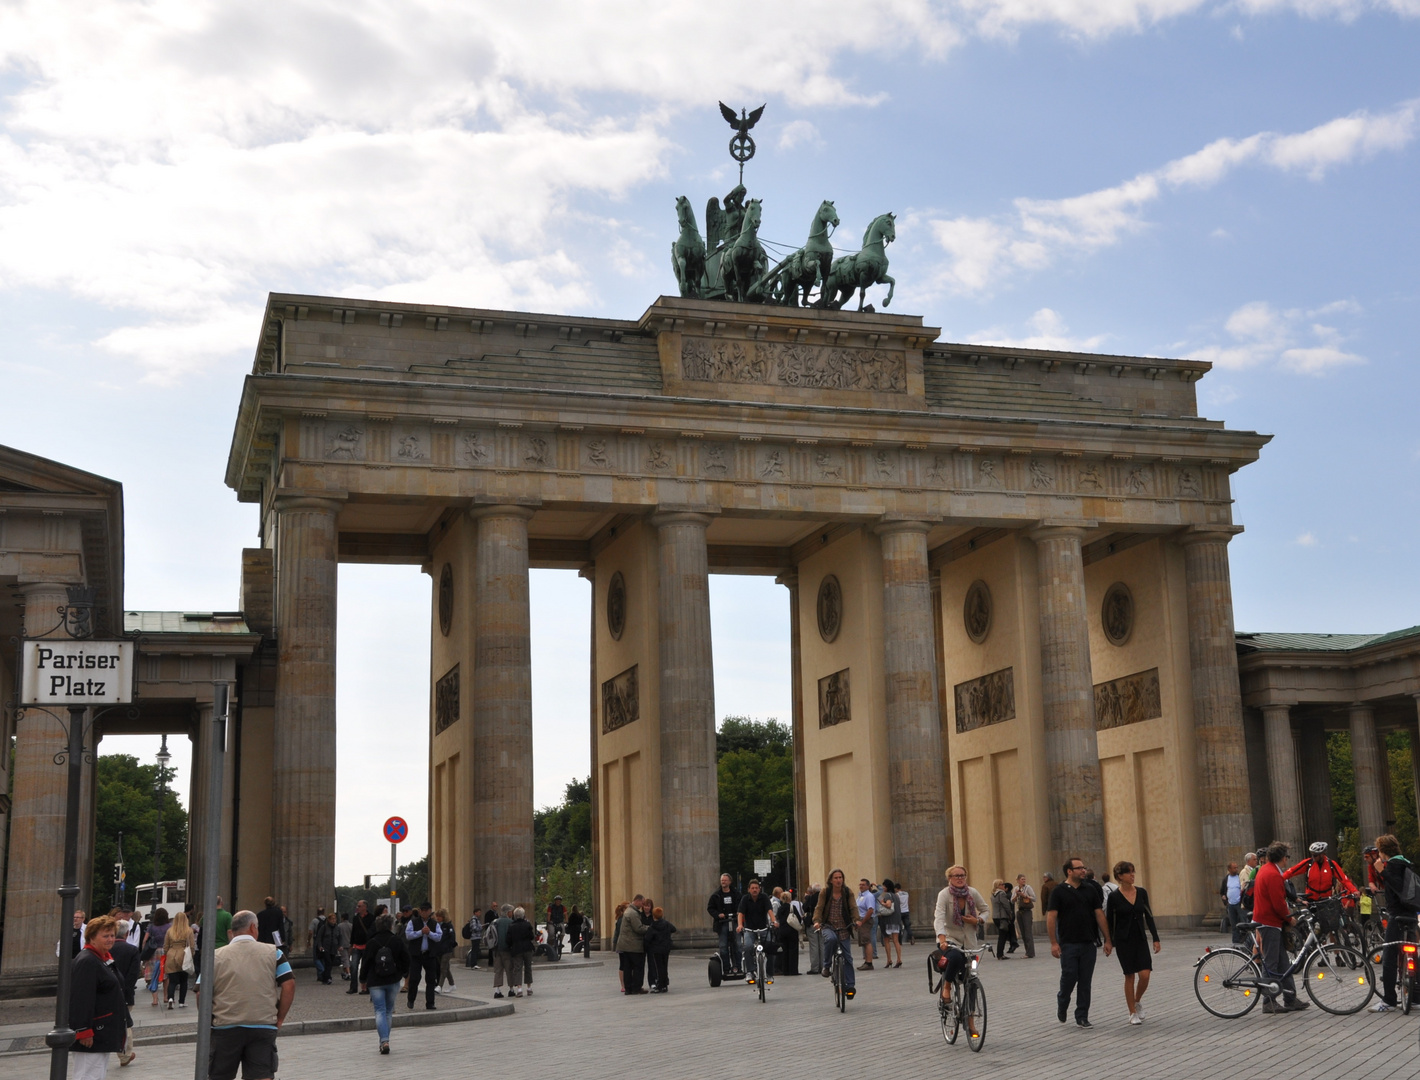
(982, 253)
(1306, 539)
(799, 133)
(1291, 340)
(1048, 331)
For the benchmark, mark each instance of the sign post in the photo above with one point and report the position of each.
(396, 829)
(72, 673)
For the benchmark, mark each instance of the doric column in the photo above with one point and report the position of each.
(1224, 807)
(800, 883)
(37, 812)
(690, 804)
(914, 727)
(1282, 775)
(303, 737)
(1319, 823)
(197, 804)
(1075, 797)
(502, 707)
(1367, 761)
(594, 780)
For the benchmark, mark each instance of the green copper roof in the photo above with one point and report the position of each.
(1320, 642)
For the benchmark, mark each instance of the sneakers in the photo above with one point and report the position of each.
(827, 973)
(1083, 1023)
(1135, 1018)
(499, 993)
(1382, 1006)
(438, 990)
(749, 980)
(529, 991)
(384, 1048)
(1297, 1005)
(850, 994)
(866, 965)
(1139, 1011)
(1269, 1007)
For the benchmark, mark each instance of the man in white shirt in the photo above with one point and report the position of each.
(867, 911)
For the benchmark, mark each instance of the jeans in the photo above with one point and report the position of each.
(747, 945)
(357, 956)
(906, 927)
(729, 948)
(1234, 917)
(1077, 969)
(1390, 966)
(1275, 960)
(831, 943)
(319, 958)
(384, 999)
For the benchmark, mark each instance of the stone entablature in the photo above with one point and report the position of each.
(1332, 670)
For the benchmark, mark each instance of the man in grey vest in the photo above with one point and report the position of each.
(252, 990)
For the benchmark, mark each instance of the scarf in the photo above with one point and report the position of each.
(962, 903)
(105, 957)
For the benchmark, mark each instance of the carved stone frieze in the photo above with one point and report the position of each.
(1128, 700)
(621, 700)
(475, 448)
(446, 700)
(834, 704)
(345, 442)
(771, 363)
(990, 699)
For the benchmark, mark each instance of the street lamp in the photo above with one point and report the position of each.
(163, 758)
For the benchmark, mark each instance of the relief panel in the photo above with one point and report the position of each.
(990, 699)
(621, 700)
(1128, 700)
(767, 363)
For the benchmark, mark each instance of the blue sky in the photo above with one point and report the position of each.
(1232, 182)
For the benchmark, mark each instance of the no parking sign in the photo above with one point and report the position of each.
(396, 829)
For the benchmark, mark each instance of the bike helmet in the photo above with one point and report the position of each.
(1319, 848)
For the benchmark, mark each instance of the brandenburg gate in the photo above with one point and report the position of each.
(1007, 571)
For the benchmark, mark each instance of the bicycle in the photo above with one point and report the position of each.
(836, 965)
(1407, 982)
(966, 1001)
(761, 960)
(1229, 981)
(554, 940)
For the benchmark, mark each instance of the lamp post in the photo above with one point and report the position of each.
(163, 758)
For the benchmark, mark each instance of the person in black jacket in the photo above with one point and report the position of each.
(128, 969)
(96, 1006)
(1391, 869)
(658, 951)
(724, 906)
(383, 965)
(362, 925)
(521, 941)
(271, 925)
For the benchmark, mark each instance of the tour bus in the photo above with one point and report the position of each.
(165, 894)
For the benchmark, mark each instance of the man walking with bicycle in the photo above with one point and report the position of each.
(1273, 916)
(1397, 876)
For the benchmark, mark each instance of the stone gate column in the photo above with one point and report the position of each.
(1318, 821)
(1282, 775)
(303, 737)
(594, 778)
(1074, 793)
(37, 811)
(502, 708)
(916, 789)
(690, 801)
(800, 883)
(1224, 806)
(1367, 762)
(1414, 728)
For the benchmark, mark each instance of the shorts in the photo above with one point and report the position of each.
(865, 934)
(254, 1049)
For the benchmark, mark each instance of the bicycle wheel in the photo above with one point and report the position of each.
(950, 1012)
(1404, 990)
(1225, 982)
(1339, 983)
(761, 972)
(976, 1015)
(840, 991)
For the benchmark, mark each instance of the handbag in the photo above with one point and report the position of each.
(188, 965)
(794, 921)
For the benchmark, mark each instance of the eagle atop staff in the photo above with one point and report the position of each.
(741, 145)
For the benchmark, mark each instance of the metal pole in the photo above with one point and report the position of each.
(393, 890)
(158, 835)
(62, 1037)
(213, 860)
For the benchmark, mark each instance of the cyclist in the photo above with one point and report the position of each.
(960, 910)
(836, 917)
(1273, 916)
(724, 902)
(556, 925)
(1393, 869)
(1325, 878)
(756, 912)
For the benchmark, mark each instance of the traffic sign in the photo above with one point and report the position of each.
(396, 829)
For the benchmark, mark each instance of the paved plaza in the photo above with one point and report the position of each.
(578, 1025)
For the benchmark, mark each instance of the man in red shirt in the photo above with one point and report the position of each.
(1270, 912)
(1325, 877)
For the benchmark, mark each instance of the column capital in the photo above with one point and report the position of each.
(682, 515)
(890, 524)
(1048, 529)
(287, 501)
(789, 580)
(504, 510)
(1207, 534)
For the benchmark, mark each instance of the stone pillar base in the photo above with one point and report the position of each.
(29, 985)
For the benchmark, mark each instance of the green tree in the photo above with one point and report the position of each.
(562, 839)
(128, 804)
(411, 882)
(756, 779)
(1343, 797)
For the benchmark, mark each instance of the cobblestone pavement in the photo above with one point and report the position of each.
(578, 1025)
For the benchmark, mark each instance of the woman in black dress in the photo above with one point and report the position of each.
(1129, 916)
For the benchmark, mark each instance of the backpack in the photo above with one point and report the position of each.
(1409, 894)
(473, 929)
(490, 936)
(385, 967)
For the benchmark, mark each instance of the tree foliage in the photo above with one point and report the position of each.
(756, 779)
(128, 804)
(1343, 798)
(562, 839)
(411, 882)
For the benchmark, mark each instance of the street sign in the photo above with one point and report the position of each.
(761, 866)
(76, 672)
(396, 829)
